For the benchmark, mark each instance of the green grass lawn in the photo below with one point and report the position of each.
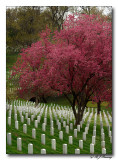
(27, 138)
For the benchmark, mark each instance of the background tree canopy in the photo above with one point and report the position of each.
(24, 24)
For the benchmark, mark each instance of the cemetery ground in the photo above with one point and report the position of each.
(61, 113)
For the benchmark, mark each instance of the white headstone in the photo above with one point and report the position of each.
(43, 139)
(25, 128)
(78, 128)
(93, 140)
(26, 115)
(61, 135)
(15, 117)
(16, 124)
(64, 148)
(84, 136)
(59, 126)
(9, 121)
(102, 131)
(109, 133)
(36, 124)
(19, 144)
(9, 138)
(81, 124)
(67, 129)
(86, 130)
(68, 121)
(45, 120)
(52, 123)
(111, 139)
(77, 151)
(81, 144)
(75, 133)
(43, 151)
(28, 121)
(70, 140)
(61, 119)
(53, 141)
(64, 123)
(44, 127)
(9, 113)
(32, 117)
(103, 144)
(94, 127)
(94, 132)
(103, 137)
(22, 119)
(52, 131)
(34, 133)
(30, 148)
(103, 150)
(92, 148)
(71, 126)
(57, 121)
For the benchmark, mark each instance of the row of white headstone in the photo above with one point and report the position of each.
(43, 151)
(58, 123)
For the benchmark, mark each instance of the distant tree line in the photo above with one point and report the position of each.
(24, 24)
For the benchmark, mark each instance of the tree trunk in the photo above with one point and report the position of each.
(44, 99)
(98, 107)
(37, 101)
(79, 115)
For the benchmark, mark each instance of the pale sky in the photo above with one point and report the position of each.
(106, 9)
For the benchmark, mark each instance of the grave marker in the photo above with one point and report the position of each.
(43, 139)
(71, 126)
(77, 151)
(53, 141)
(16, 124)
(81, 144)
(78, 128)
(61, 135)
(67, 129)
(93, 140)
(103, 150)
(103, 144)
(9, 121)
(103, 137)
(64, 148)
(43, 151)
(44, 127)
(92, 148)
(94, 132)
(30, 148)
(25, 128)
(22, 119)
(70, 140)
(34, 133)
(36, 124)
(75, 133)
(9, 138)
(28, 121)
(52, 131)
(19, 144)
(84, 136)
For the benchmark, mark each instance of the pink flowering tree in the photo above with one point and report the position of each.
(80, 60)
(103, 93)
(75, 62)
(28, 69)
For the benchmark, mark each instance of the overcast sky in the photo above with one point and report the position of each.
(107, 10)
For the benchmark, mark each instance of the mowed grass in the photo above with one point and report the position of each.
(27, 138)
